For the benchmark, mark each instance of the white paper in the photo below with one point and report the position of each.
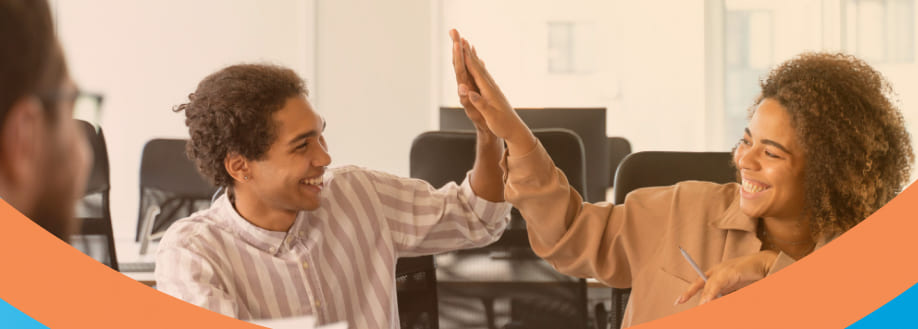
(299, 322)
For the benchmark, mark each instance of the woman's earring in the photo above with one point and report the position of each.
(245, 177)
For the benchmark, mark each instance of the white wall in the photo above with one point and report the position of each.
(644, 61)
(663, 76)
(374, 80)
(147, 56)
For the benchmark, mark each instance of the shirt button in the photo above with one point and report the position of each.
(317, 303)
(272, 249)
(305, 265)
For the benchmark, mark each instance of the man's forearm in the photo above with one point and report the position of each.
(487, 177)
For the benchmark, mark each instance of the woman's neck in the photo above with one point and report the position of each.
(789, 235)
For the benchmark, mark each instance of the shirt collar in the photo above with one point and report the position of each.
(265, 240)
(734, 218)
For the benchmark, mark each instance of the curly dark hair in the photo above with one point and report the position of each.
(857, 150)
(230, 112)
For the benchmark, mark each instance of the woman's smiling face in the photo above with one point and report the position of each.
(770, 160)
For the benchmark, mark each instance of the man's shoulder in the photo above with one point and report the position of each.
(202, 226)
(349, 174)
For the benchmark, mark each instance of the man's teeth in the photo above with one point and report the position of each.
(313, 181)
(753, 188)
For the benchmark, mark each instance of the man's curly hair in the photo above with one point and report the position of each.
(858, 152)
(231, 112)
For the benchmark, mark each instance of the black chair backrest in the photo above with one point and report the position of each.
(169, 180)
(94, 209)
(619, 148)
(587, 123)
(645, 169)
(657, 168)
(439, 157)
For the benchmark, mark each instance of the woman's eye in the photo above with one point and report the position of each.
(772, 155)
(744, 141)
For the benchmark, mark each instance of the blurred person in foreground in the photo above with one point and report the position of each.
(44, 156)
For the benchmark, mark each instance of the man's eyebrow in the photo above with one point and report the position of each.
(308, 134)
(300, 137)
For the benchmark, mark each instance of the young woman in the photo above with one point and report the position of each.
(824, 148)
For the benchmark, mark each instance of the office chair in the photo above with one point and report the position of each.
(619, 148)
(644, 169)
(170, 188)
(416, 290)
(94, 209)
(587, 123)
(515, 273)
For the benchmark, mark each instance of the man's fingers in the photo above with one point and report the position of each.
(458, 60)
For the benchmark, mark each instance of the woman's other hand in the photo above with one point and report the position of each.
(730, 276)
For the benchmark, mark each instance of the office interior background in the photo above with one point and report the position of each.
(673, 75)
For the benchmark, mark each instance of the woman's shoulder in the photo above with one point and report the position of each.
(703, 194)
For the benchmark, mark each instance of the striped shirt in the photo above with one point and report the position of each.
(337, 262)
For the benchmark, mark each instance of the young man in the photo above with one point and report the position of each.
(44, 157)
(294, 237)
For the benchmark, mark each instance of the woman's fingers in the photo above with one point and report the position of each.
(692, 290)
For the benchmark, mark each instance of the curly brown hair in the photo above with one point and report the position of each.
(230, 112)
(858, 152)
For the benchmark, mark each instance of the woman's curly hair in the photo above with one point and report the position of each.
(858, 152)
(231, 112)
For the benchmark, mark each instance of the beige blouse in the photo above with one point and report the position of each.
(635, 244)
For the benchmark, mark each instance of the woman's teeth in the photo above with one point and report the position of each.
(752, 187)
(313, 181)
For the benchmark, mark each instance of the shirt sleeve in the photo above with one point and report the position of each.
(188, 275)
(604, 241)
(424, 220)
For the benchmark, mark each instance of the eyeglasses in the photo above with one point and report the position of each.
(87, 106)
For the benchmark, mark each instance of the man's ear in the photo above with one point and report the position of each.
(237, 166)
(21, 142)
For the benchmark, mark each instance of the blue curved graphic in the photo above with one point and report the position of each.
(898, 313)
(12, 317)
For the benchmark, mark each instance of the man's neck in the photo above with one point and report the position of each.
(255, 211)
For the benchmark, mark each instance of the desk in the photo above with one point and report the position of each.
(517, 287)
(129, 252)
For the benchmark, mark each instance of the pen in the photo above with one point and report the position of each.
(692, 262)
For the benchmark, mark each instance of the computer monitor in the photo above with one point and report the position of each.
(588, 123)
